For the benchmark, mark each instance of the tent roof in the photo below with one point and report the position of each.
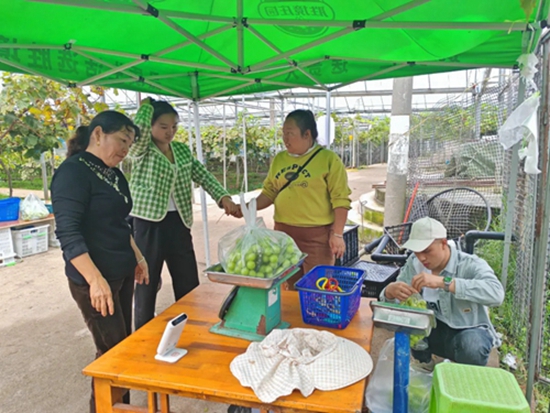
(201, 49)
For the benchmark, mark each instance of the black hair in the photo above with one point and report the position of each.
(161, 107)
(110, 121)
(304, 120)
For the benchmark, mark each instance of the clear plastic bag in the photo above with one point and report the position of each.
(379, 394)
(416, 301)
(33, 208)
(254, 250)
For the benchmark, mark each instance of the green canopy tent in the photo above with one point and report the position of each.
(202, 49)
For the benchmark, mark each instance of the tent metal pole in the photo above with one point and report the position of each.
(224, 151)
(162, 17)
(381, 72)
(136, 56)
(398, 10)
(399, 25)
(172, 76)
(463, 65)
(191, 65)
(240, 35)
(116, 53)
(245, 157)
(108, 83)
(166, 89)
(103, 75)
(137, 10)
(190, 138)
(30, 46)
(188, 42)
(542, 228)
(44, 176)
(291, 85)
(31, 71)
(87, 4)
(268, 43)
(302, 48)
(200, 158)
(158, 54)
(260, 80)
(228, 77)
(133, 77)
(327, 118)
(231, 89)
(286, 68)
(303, 63)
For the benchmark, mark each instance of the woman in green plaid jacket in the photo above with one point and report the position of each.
(161, 185)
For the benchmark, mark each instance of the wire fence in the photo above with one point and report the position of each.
(457, 146)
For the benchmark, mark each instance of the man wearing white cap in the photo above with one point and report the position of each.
(457, 286)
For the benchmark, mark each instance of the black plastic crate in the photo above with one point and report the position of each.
(351, 239)
(377, 277)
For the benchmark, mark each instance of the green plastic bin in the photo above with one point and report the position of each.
(459, 388)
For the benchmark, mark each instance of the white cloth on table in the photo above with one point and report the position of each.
(303, 359)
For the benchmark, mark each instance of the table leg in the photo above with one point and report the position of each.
(164, 403)
(104, 396)
(152, 406)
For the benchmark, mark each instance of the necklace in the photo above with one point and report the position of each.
(106, 174)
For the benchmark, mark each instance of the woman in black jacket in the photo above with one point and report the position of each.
(91, 200)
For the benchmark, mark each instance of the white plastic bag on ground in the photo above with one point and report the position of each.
(380, 389)
(33, 208)
(254, 250)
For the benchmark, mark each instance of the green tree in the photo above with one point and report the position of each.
(36, 113)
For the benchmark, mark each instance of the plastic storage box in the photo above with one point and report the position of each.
(9, 209)
(377, 277)
(6, 261)
(459, 388)
(30, 241)
(351, 239)
(7, 254)
(327, 308)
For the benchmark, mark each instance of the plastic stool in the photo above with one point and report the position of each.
(460, 388)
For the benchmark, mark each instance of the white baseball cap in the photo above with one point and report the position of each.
(423, 232)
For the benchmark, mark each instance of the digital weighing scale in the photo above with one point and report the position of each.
(404, 321)
(253, 307)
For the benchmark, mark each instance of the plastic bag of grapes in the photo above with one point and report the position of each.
(253, 250)
(416, 301)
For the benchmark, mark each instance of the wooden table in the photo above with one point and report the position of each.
(204, 372)
(21, 223)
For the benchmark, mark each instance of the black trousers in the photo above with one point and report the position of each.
(167, 241)
(110, 330)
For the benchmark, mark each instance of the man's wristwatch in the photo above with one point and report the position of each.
(447, 283)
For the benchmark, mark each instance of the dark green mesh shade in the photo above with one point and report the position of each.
(163, 44)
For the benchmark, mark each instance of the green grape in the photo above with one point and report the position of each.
(414, 339)
(415, 302)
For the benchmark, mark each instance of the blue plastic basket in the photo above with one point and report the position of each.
(9, 209)
(326, 308)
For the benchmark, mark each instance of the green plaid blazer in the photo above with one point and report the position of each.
(154, 177)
